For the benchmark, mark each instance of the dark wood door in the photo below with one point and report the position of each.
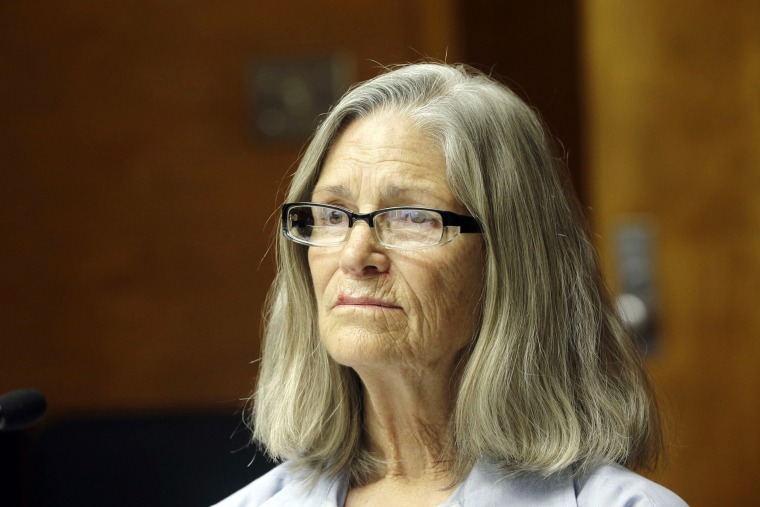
(673, 134)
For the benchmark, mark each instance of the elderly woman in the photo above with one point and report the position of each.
(438, 332)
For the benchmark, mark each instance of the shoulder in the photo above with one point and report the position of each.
(284, 486)
(608, 486)
(262, 489)
(614, 485)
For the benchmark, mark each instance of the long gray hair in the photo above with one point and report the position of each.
(552, 381)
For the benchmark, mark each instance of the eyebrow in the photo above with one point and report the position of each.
(393, 191)
(389, 192)
(337, 190)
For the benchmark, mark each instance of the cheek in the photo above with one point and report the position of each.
(452, 289)
(463, 278)
(455, 295)
(320, 272)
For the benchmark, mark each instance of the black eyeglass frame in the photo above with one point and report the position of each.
(467, 224)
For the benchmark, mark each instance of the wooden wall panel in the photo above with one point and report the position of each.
(673, 133)
(135, 204)
(533, 48)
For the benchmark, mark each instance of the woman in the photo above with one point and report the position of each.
(438, 331)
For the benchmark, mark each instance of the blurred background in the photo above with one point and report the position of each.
(145, 145)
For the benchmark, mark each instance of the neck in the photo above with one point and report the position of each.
(407, 423)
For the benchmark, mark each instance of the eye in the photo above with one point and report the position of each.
(413, 217)
(335, 217)
(418, 217)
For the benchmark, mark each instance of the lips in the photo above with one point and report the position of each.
(364, 301)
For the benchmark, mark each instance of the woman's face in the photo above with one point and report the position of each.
(382, 307)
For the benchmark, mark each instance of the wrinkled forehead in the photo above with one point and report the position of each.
(384, 157)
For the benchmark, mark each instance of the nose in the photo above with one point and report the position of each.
(362, 255)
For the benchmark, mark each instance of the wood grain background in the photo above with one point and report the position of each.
(136, 205)
(673, 135)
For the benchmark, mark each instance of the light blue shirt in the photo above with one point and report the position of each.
(606, 486)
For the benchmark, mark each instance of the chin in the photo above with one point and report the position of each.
(361, 347)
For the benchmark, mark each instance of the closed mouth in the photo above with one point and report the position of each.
(356, 301)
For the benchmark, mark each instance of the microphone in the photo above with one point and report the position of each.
(21, 408)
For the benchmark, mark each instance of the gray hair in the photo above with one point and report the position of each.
(552, 382)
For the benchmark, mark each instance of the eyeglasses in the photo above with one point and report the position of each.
(414, 228)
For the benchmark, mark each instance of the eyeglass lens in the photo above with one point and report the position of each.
(322, 226)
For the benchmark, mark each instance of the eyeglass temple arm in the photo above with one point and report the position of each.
(466, 223)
